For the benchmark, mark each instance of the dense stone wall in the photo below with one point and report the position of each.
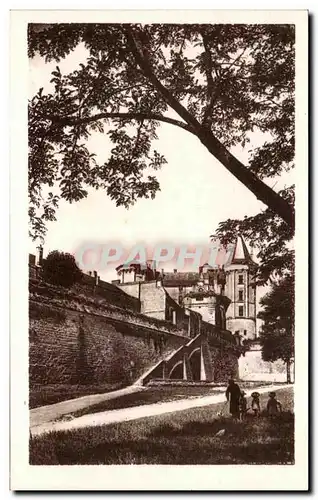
(225, 366)
(78, 340)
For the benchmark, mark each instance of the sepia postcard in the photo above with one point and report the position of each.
(159, 247)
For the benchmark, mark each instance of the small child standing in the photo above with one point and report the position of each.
(255, 403)
(242, 405)
(274, 407)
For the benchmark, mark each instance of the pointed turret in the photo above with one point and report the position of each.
(241, 314)
(240, 253)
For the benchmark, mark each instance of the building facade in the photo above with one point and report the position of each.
(223, 292)
(203, 296)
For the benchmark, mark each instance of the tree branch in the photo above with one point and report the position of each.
(263, 192)
(70, 120)
(209, 77)
(141, 123)
(136, 47)
(207, 120)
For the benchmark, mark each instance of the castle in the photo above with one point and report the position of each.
(148, 325)
(223, 294)
(131, 331)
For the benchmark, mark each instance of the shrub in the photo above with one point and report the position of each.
(60, 269)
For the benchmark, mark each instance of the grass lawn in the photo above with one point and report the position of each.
(148, 396)
(41, 395)
(49, 394)
(186, 437)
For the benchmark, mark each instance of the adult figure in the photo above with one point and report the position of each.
(233, 394)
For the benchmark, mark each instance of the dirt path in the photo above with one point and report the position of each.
(133, 413)
(49, 413)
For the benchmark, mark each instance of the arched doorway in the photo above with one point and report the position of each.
(195, 364)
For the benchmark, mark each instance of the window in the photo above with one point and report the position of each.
(240, 295)
(240, 279)
(174, 317)
(245, 333)
(241, 312)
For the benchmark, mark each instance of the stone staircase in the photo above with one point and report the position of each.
(192, 363)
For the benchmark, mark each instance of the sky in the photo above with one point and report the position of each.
(197, 192)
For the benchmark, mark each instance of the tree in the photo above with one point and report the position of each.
(277, 332)
(270, 236)
(223, 81)
(60, 269)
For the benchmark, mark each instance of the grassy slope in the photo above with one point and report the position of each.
(148, 396)
(49, 394)
(186, 437)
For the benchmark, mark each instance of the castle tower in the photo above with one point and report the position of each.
(241, 314)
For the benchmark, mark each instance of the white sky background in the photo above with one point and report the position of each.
(197, 192)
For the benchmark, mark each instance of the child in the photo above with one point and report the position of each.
(255, 403)
(274, 407)
(242, 405)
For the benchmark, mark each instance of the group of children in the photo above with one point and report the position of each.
(273, 406)
(238, 402)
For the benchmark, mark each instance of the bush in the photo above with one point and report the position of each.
(60, 269)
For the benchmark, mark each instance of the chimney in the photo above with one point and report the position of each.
(39, 259)
(151, 264)
(90, 273)
(96, 277)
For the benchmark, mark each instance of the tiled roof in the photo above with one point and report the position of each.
(241, 254)
(132, 264)
(180, 279)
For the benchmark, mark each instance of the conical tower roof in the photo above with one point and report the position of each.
(241, 254)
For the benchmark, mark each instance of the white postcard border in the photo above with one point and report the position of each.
(247, 477)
